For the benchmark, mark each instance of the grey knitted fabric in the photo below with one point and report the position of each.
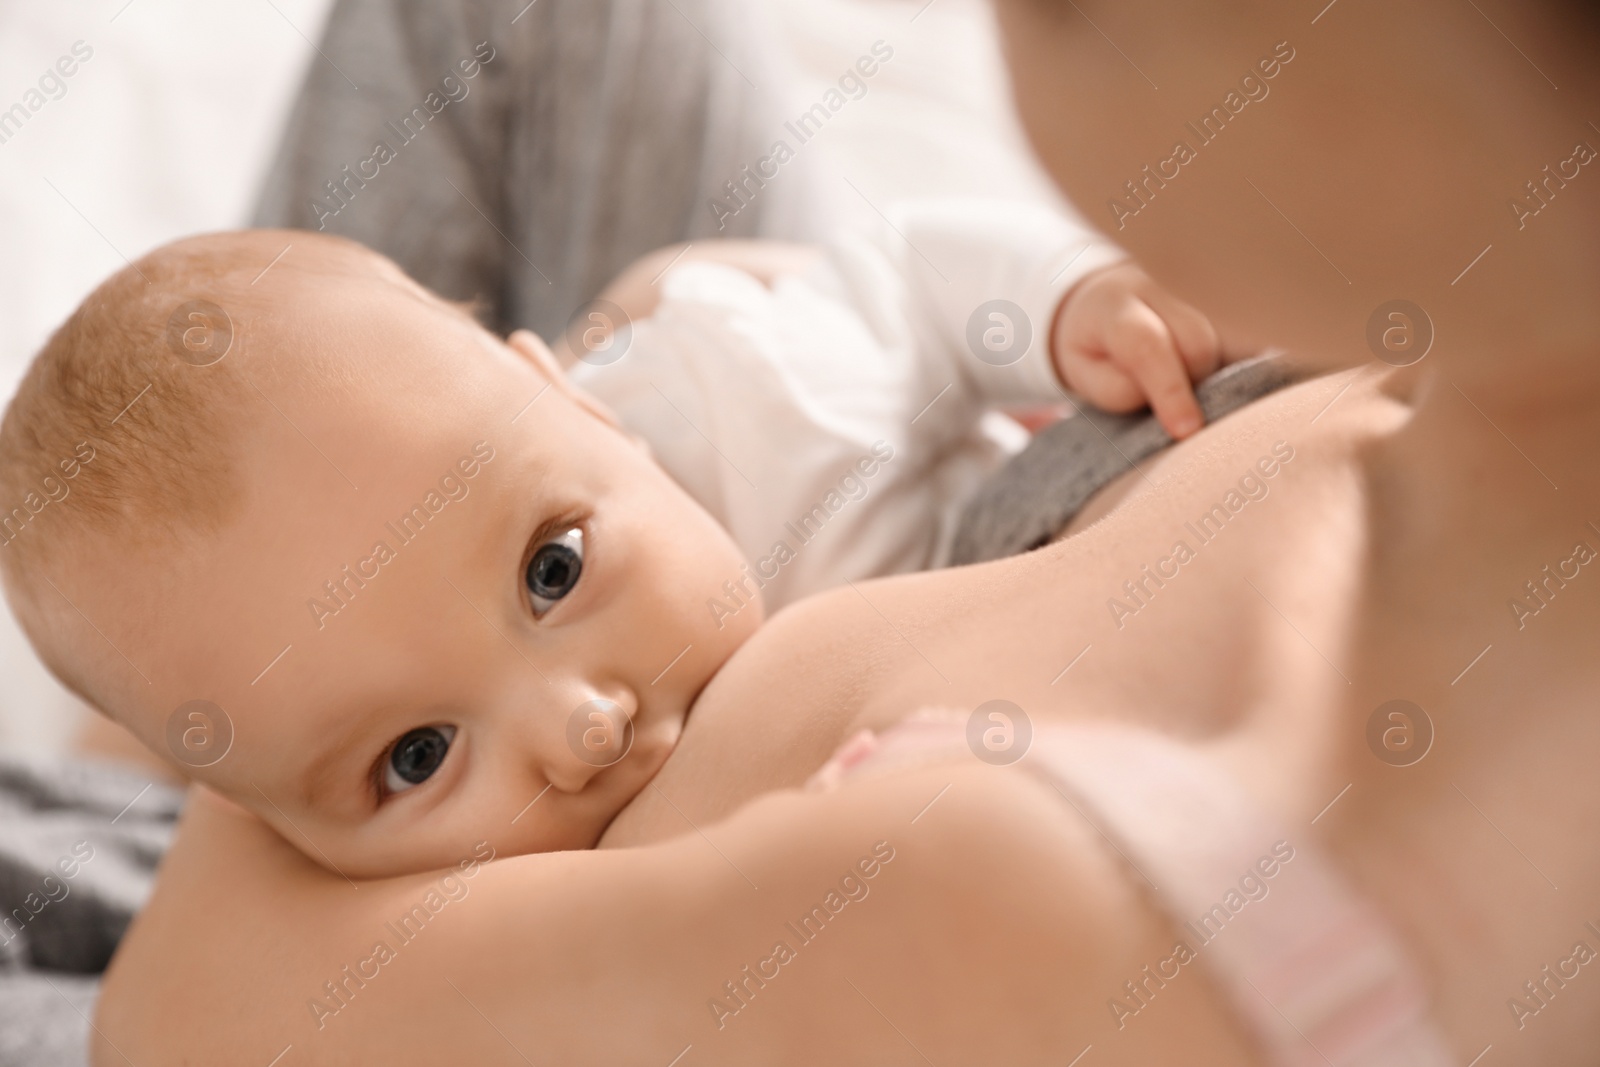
(1039, 490)
(600, 130)
(79, 845)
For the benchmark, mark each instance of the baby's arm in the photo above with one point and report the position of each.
(1112, 335)
(637, 290)
(1024, 302)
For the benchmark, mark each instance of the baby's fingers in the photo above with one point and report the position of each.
(1103, 383)
(1192, 331)
(1142, 345)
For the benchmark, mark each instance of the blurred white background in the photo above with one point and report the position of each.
(167, 129)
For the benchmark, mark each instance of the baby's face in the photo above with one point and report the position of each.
(444, 556)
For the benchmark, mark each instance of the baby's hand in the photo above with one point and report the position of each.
(1122, 342)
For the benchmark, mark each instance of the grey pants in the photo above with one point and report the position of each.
(598, 131)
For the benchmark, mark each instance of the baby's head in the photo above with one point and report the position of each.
(425, 580)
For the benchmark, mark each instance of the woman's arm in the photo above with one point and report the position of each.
(989, 927)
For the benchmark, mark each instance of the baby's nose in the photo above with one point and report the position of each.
(599, 734)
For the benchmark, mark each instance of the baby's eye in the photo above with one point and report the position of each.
(415, 757)
(554, 569)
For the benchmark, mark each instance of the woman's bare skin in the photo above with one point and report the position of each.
(1259, 698)
(1417, 504)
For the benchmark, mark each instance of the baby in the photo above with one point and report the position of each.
(382, 579)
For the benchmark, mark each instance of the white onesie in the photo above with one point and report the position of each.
(836, 423)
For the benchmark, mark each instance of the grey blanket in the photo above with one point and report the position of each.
(79, 844)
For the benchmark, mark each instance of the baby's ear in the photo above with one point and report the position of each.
(527, 344)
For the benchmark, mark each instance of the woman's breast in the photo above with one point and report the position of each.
(1166, 612)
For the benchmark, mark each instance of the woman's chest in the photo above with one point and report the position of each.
(1172, 612)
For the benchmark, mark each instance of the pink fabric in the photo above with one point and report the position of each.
(1308, 964)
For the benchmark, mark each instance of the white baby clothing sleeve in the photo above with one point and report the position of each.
(983, 280)
(836, 422)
